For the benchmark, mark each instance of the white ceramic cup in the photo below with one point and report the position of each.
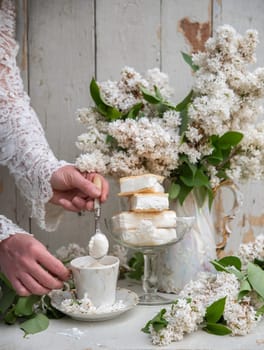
(97, 280)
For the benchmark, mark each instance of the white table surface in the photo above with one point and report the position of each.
(121, 333)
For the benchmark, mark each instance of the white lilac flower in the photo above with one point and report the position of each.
(91, 140)
(88, 116)
(70, 252)
(241, 317)
(125, 164)
(131, 80)
(157, 78)
(253, 250)
(185, 315)
(193, 134)
(92, 162)
(226, 97)
(193, 154)
(247, 46)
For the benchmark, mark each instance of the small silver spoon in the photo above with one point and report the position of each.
(98, 245)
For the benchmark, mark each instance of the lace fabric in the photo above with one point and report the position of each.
(23, 146)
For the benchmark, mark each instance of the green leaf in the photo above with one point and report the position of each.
(258, 262)
(184, 191)
(25, 305)
(245, 288)
(149, 97)
(184, 120)
(161, 108)
(218, 266)
(95, 93)
(188, 59)
(137, 264)
(158, 322)
(216, 157)
(256, 278)
(230, 138)
(157, 93)
(187, 171)
(210, 195)
(200, 179)
(36, 324)
(200, 195)
(231, 261)
(10, 316)
(104, 108)
(260, 311)
(6, 281)
(187, 180)
(134, 111)
(228, 266)
(174, 190)
(7, 298)
(51, 312)
(217, 329)
(185, 102)
(215, 311)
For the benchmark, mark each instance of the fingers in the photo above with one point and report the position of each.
(45, 278)
(69, 201)
(105, 190)
(84, 185)
(79, 202)
(89, 205)
(32, 285)
(19, 287)
(29, 266)
(54, 266)
(104, 185)
(74, 191)
(68, 205)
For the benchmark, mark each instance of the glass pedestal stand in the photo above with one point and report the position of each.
(150, 279)
(151, 260)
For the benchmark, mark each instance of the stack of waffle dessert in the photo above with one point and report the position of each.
(148, 221)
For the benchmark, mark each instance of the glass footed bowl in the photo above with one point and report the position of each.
(151, 258)
(183, 225)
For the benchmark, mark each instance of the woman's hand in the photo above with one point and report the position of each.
(29, 266)
(75, 191)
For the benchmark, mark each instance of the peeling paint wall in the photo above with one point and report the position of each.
(64, 43)
(195, 33)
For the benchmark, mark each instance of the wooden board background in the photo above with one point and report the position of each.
(64, 43)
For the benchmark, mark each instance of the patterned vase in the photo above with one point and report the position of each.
(181, 262)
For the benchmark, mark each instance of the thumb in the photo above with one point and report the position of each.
(85, 186)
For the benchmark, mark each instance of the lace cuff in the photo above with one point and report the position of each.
(47, 215)
(8, 228)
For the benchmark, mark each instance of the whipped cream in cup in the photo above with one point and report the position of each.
(95, 279)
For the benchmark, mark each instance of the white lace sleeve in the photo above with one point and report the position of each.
(8, 228)
(23, 146)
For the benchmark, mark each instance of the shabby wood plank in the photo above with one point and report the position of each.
(186, 25)
(128, 34)
(61, 64)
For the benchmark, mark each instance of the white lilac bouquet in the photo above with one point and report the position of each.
(228, 302)
(209, 137)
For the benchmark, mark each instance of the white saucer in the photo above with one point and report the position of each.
(126, 297)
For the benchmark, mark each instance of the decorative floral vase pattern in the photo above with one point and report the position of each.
(182, 262)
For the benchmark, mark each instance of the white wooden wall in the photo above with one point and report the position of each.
(64, 43)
